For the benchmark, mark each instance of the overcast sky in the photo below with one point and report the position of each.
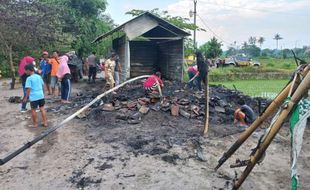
(234, 20)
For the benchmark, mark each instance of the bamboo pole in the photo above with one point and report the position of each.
(47, 132)
(259, 120)
(268, 111)
(286, 110)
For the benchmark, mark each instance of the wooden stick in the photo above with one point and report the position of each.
(206, 127)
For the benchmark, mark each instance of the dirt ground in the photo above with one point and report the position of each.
(161, 152)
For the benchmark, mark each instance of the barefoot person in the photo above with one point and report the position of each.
(35, 92)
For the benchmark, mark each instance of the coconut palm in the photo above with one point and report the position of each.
(252, 40)
(277, 37)
(261, 40)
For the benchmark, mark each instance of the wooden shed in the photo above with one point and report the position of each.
(148, 44)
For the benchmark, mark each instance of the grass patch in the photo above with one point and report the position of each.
(276, 63)
(256, 88)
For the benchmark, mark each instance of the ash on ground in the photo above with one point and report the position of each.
(169, 129)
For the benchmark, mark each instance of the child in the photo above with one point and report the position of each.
(34, 91)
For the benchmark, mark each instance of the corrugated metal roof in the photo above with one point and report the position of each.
(161, 22)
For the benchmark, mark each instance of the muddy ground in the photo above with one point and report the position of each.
(103, 151)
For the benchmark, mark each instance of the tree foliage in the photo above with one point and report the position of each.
(25, 25)
(82, 21)
(29, 26)
(181, 22)
(212, 49)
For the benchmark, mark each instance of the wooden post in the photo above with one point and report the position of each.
(206, 128)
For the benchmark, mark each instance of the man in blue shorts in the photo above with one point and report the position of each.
(35, 92)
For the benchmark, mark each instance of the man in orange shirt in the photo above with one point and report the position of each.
(54, 80)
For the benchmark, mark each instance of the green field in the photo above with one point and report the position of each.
(256, 88)
(276, 63)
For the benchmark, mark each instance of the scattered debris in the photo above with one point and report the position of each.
(108, 107)
(172, 159)
(144, 109)
(185, 113)
(15, 99)
(175, 110)
(104, 166)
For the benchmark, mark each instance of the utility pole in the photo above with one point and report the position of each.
(195, 21)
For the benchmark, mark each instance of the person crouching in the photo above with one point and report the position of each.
(35, 92)
(244, 115)
(151, 83)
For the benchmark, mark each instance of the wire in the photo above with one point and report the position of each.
(257, 10)
(214, 33)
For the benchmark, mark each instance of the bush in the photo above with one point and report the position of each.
(5, 69)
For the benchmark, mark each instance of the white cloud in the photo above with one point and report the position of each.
(236, 20)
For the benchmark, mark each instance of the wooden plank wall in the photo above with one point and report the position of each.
(171, 57)
(143, 58)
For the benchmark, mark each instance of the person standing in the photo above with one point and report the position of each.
(23, 76)
(109, 70)
(46, 69)
(117, 71)
(54, 62)
(35, 92)
(92, 67)
(64, 75)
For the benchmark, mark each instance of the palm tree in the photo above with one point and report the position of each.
(244, 47)
(252, 40)
(277, 37)
(261, 40)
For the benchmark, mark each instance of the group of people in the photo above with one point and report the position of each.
(111, 68)
(243, 115)
(53, 75)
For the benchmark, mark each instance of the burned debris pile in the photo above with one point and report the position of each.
(131, 104)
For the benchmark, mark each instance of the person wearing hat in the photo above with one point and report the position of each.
(46, 69)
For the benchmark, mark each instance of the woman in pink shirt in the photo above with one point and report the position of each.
(64, 75)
